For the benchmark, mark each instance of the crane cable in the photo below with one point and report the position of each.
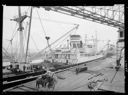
(46, 37)
(52, 21)
(41, 24)
(49, 45)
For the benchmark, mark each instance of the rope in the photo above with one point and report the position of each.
(15, 32)
(5, 50)
(43, 30)
(12, 36)
(55, 21)
(41, 23)
(34, 43)
(8, 46)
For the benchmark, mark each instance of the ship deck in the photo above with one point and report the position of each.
(70, 81)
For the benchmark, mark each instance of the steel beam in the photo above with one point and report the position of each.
(99, 15)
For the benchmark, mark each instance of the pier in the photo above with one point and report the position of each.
(70, 81)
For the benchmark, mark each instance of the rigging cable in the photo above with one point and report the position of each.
(34, 43)
(6, 55)
(70, 23)
(6, 51)
(41, 23)
(15, 32)
(45, 32)
(56, 21)
(47, 38)
(12, 35)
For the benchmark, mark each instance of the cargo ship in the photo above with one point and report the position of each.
(75, 52)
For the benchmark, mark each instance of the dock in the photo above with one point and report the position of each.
(70, 81)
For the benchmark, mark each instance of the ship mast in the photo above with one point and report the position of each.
(21, 54)
(19, 20)
(28, 35)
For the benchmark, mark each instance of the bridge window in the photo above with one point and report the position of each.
(121, 34)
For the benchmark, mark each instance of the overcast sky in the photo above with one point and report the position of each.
(52, 29)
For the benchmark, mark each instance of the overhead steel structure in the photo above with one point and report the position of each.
(108, 15)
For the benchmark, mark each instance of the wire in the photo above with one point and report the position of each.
(34, 43)
(59, 21)
(13, 32)
(41, 23)
(12, 35)
(8, 46)
(55, 21)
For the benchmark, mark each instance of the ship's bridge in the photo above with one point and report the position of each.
(75, 41)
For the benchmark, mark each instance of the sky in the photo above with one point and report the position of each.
(52, 29)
